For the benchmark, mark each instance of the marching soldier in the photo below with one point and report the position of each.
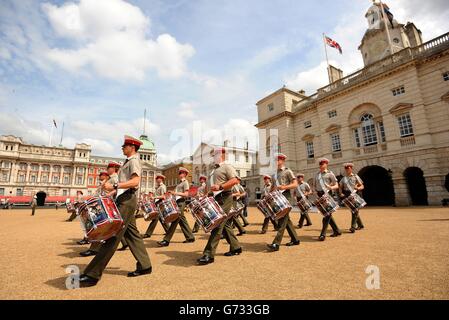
(181, 191)
(326, 181)
(243, 195)
(224, 178)
(286, 180)
(237, 193)
(350, 183)
(266, 190)
(202, 192)
(129, 181)
(33, 205)
(79, 198)
(161, 190)
(304, 188)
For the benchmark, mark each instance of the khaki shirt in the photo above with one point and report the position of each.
(328, 177)
(304, 187)
(113, 178)
(202, 190)
(285, 176)
(161, 190)
(266, 189)
(131, 166)
(183, 186)
(349, 183)
(224, 173)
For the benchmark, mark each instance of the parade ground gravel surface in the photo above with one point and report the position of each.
(408, 245)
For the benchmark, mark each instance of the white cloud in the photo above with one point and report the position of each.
(185, 110)
(110, 39)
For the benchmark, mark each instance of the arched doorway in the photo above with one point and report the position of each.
(446, 182)
(379, 190)
(416, 185)
(41, 195)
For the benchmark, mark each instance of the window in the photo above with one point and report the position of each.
(55, 179)
(91, 170)
(309, 149)
(332, 113)
(335, 140)
(44, 178)
(64, 193)
(6, 164)
(383, 138)
(21, 178)
(446, 76)
(368, 130)
(81, 170)
(307, 124)
(79, 180)
(246, 157)
(67, 169)
(357, 138)
(66, 180)
(2, 191)
(23, 166)
(19, 192)
(398, 91)
(270, 107)
(248, 173)
(4, 177)
(34, 167)
(33, 179)
(91, 181)
(405, 125)
(45, 167)
(56, 168)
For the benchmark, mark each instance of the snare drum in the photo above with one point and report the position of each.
(263, 207)
(354, 201)
(236, 209)
(168, 209)
(207, 213)
(70, 207)
(278, 204)
(326, 205)
(101, 218)
(304, 205)
(150, 210)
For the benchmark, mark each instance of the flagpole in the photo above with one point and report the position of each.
(62, 133)
(390, 44)
(51, 136)
(144, 120)
(327, 58)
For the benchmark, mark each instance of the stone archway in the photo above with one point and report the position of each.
(41, 195)
(379, 189)
(416, 185)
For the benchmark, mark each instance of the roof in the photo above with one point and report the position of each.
(147, 143)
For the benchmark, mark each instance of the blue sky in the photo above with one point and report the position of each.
(95, 65)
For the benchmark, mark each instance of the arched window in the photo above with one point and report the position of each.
(368, 130)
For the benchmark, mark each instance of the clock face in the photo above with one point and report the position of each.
(378, 48)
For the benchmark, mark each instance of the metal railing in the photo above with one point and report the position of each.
(406, 55)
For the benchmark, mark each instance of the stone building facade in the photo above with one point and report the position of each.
(27, 169)
(390, 119)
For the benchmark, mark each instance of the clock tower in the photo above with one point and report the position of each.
(385, 36)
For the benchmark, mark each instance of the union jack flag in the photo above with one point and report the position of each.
(333, 44)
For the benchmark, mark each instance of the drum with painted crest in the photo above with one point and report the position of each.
(101, 218)
(150, 210)
(207, 212)
(168, 209)
(326, 205)
(278, 204)
(304, 204)
(354, 201)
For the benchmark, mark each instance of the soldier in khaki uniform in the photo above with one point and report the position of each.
(243, 196)
(202, 192)
(182, 193)
(351, 182)
(79, 198)
(326, 178)
(33, 205)
(126, 188)
(161, 190)
(303, 189)
(266, 190)
(237, 193)
(224, 178)
(285, 180)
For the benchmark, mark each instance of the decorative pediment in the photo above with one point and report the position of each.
(333, 127)
(401, 107)
(308, 137)
(445, 97)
